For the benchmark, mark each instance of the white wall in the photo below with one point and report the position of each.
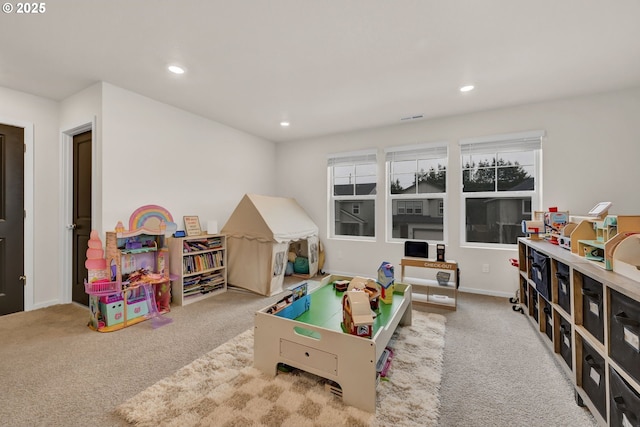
(19, 109)
(153, 153)
(589, 154)
(147, 153)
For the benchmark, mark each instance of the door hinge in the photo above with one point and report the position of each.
(25, 213)
(25, 148)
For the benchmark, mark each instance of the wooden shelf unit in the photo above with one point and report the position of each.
(200, 264)
(430, 292)
(574, 329)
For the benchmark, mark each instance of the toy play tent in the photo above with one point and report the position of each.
(259, 233)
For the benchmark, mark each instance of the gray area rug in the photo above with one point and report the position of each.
(223, 389)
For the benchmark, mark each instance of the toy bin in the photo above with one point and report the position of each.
(564, 287)
(112, 312)
(593, 377)
(624, 333)
(541, 273)
(565, 341)
(534, 304)
(524, 290)
(592, 317)
(137, 308)
(624, 401)
(548, 321)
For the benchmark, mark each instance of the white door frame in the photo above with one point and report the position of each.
(29, 243)
(66, 200)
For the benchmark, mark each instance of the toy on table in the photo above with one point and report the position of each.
(357, 318)
(369, 286)
(533, 228)
(341, 285)
(386, 281)
(554, 223)
(294, 304)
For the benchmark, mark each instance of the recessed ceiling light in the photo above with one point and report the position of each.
(466, 88)
(175, 69)
(284, 124)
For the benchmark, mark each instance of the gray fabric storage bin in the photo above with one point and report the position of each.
(624, 401)
(592, 317)
(593, 378)
(564, 287)
(541, 273)
(548, 319)
(565, 341)
(624, 333)
(534, 304)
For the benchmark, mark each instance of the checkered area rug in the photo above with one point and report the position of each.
(223, 389)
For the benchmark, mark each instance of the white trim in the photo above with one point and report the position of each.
(29, 222)
(485, 292)
(424, 146)
(66, 200)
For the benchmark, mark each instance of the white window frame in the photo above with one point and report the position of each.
(361, 157)
(513, 142)
(435, 150)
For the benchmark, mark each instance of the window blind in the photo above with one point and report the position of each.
(352, 157)
(524, 141)
(416, 152)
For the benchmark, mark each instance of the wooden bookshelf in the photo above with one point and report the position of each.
(200, 264)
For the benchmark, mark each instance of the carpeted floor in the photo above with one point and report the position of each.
(223, 389)
(57, 372)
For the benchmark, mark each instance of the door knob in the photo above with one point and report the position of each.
(24, 279)
(71, 226)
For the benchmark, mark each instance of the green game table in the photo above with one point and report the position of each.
(316, 343)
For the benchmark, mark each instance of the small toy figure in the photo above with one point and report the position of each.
(341, 285)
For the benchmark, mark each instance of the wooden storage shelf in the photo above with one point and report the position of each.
(200, 265)
(436, 293)
(582, 338)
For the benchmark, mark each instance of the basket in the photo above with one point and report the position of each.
(102, 287)
(443, 278)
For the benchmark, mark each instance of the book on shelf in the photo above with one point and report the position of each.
(201, 244)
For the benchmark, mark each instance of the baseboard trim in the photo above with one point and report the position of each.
(486, 292)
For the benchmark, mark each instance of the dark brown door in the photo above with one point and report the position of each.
(81, 213)
(11, 219)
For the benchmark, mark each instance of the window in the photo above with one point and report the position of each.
(352, 188)
(500, 186)
(416, 192)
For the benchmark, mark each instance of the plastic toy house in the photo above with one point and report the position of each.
(386, 282)
(596, 239)
(131, 283)
(356, 314)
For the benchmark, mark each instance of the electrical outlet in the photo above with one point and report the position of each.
(485, 268)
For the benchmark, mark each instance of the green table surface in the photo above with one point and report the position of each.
(326, 309)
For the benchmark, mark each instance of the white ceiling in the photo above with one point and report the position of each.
(327, 66)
